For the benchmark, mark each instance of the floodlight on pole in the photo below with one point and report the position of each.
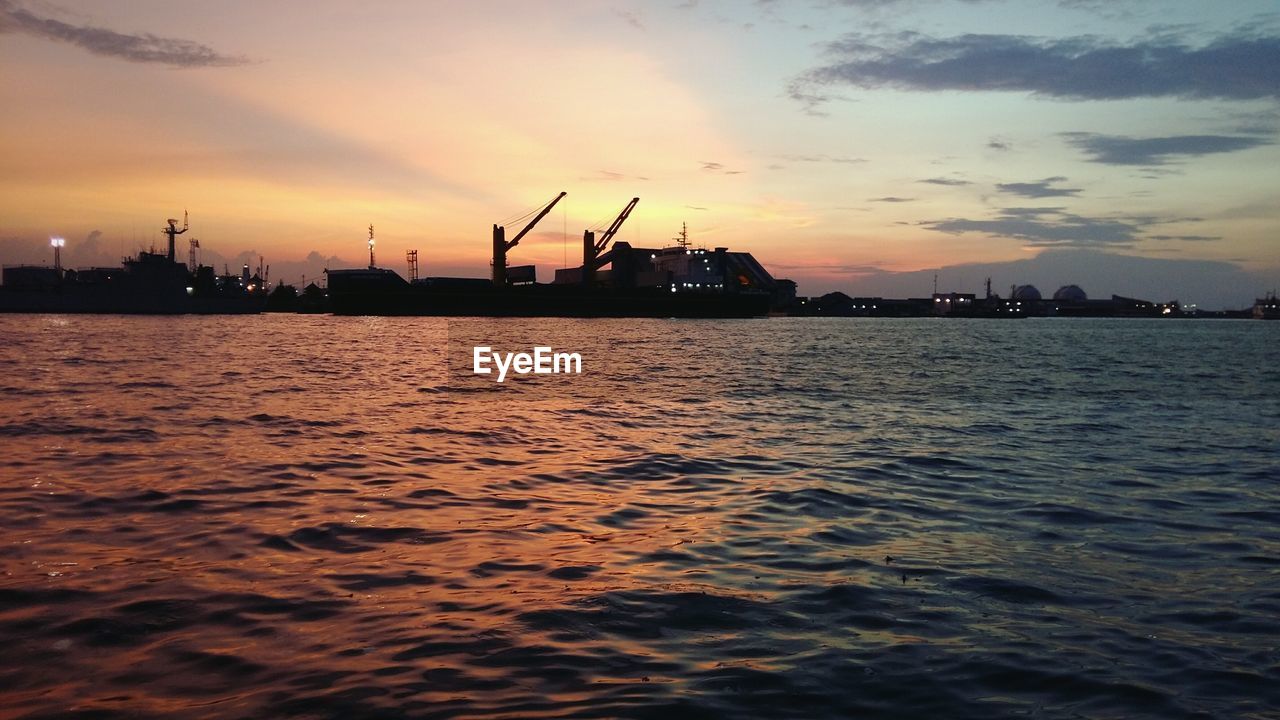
(57, 244)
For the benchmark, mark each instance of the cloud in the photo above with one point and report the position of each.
(611, 176)
(630, 17)
(716, 167)
(996, 143)
(144, 48)
(1055, 227)
(949, 182)
(1184, 238)
(1123, 150)
(1042, 189)
(891, 199)
(839, 159)
(1237, 66)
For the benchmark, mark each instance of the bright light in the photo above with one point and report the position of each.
(57, 242)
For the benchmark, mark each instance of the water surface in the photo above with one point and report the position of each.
(293, 516)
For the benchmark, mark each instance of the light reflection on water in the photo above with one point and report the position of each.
(321, 517)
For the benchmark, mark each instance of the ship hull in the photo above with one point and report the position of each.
(547, 301)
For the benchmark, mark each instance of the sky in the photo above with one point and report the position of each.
(858, 145)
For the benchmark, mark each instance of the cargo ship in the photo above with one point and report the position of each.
(151, 283)
(678, 280)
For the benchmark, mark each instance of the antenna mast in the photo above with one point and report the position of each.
(412, 257)
(371, 263)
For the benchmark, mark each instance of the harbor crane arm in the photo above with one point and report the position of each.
(613, 229)
(512, 243)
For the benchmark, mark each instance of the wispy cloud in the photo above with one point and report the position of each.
(1238, 66)
(144, 48)
(611, 176)
(891, 199)
(949, 182)
(1184, 238)
(630, 17)
(1043, 189)
(839, 159)
(1124, 150)
(716, 167)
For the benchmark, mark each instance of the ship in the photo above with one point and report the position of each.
(150, 283)
(1267, 308)
(674, 281)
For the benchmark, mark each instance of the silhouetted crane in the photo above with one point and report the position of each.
(501, 245)
(591, 249)
(172, 231)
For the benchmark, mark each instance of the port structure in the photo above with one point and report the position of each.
(501, 246)
(592, 249)
(411, 256)
(57, 244)
(172, 232)
(192, 261)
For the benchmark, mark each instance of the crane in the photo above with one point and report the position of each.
(172, 231)
(591, 248)
(501, 245)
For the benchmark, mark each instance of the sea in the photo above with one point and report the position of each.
(323, 517)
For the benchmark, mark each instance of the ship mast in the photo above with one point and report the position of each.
(371, 263)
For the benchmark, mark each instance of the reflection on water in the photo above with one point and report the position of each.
(322, 517)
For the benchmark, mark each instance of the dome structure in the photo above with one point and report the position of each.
(1070, 293)
(1026, 292)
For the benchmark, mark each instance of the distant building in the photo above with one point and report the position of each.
(1025, 293)
(1070, 293)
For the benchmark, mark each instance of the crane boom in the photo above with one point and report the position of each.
(516, 240)
(617, 223)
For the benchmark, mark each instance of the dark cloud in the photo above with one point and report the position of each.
(950, 182)
(891, 199)
(1184, 238)
(1237, 66)
(1055, 227)
(144, 48)
(999, 144)
(1043, 189)
(1123, 150)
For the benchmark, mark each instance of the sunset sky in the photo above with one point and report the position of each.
(838, 140)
